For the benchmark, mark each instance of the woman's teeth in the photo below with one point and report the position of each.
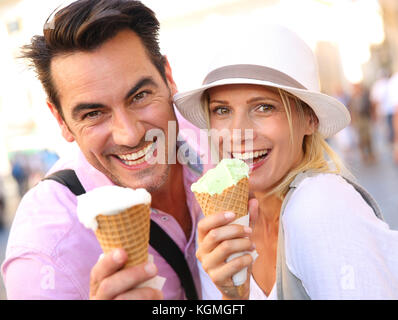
(137, 157)
(249, 155)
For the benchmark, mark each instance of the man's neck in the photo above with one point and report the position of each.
(171, 198)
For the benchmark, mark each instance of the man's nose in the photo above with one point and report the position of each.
(127, 129)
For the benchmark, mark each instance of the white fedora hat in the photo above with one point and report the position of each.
(278, 58)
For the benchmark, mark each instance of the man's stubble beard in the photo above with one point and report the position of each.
(143, 175)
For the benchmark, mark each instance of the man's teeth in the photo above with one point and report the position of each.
(131, 158)
(249, 155)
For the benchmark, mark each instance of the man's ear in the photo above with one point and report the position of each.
(169, 77)
(66, 133)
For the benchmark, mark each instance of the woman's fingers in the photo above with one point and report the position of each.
(253, 211)
(221, 253)
(222, 276)
(215, 236)
(214, 221)
(218, 239)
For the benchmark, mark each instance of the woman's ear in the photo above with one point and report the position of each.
(312, 123)
(66, 133)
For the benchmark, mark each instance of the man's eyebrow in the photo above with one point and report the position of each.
(76, 111)
(143, 82)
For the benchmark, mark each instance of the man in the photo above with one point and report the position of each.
(107, 86)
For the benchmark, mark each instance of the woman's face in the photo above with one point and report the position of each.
(269, 151)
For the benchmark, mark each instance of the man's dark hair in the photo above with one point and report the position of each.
(85, 25)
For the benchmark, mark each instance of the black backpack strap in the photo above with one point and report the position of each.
(159, 239)
(167, 248)
(69, 179)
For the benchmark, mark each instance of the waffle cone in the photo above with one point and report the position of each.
(129, 230)
(234, 198)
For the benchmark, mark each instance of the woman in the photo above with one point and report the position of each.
(318, 234)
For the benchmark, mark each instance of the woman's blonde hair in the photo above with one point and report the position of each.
(318, 156)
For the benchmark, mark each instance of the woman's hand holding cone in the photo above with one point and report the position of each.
(218, 239)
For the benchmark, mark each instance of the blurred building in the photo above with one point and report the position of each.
(346, 35)
(388, 52)
(25, 120)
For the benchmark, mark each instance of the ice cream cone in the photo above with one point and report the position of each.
(226, 188)
(129, 229)
(234, 198)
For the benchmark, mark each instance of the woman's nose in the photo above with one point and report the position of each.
(242, 130)
(127, 129)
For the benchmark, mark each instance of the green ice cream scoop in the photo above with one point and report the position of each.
(226, 174)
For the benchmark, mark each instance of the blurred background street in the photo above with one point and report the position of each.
(355, 41)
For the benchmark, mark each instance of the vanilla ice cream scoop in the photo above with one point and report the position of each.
(108, 200)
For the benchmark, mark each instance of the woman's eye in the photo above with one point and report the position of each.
(265, 108)
(221, 111)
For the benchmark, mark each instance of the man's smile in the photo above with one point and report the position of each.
(139, 156)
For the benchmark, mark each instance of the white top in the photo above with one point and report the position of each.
(256, 293)
(335, 244)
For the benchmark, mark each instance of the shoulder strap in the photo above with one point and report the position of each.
(288, 285)
(159, 239)
(69, 179)
(169, 250)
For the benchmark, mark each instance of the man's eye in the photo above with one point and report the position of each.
(221, 111)
(92, 114)
(140, 96)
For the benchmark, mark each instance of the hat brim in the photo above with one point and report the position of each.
(333, 116)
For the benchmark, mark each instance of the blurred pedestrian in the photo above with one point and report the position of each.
(47, 159)
(345, 139)
(2, 205)
(362, 115)
(379, 96)
(20, 174)
(393, 100)
(395, 149)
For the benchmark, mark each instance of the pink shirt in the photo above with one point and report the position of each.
(50, 254)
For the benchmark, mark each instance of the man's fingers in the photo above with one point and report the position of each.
(125, 280)
(144, 293)
(106, 265)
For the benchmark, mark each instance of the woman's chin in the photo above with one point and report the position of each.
(258, 185)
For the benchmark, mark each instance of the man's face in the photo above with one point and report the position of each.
(110, 98)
